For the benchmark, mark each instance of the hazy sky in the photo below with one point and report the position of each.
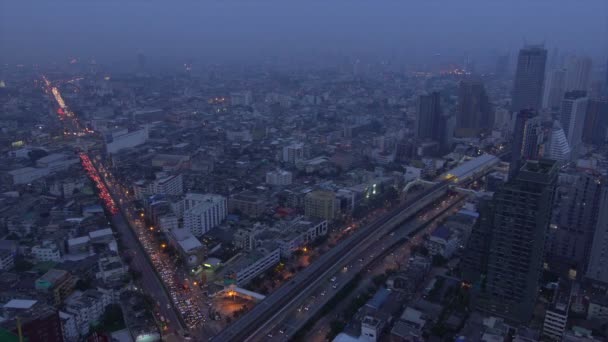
(45, 30)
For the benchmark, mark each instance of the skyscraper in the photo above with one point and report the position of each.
(506, 264)
(554, 91)
(595, 129)
(575, 214)
(578, 75)
(529, 78)
(527, 139)
(474, 112)
(502, 65)
(429, 114)
(572, 118)
(596, 269)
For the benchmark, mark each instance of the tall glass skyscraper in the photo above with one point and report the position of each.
(529, 78)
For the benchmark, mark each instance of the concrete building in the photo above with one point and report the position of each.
(248, 266)
(188, 246)
(111, 268)
(121, 139)
(595, 130)
(57, 162)
(529, 78)
(88, 307)
(46, 251)
(442, 242)
(556, 315)
(598, 308)
(279, 177)
(247, 203)
(509, 239)
(474, 113)
(39, 322)
(202, 212)
(241, 98)
(321, 204)
(578, 74)
(293, 153)
(26, 175)
(58, 283)
(428, 117)
(163, 185)
(575, 214)
(598, 257)
(555, 89)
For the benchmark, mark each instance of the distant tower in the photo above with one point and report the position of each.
(554, 91)
(429, 114)
(505, 261)
(572, 118)
(596, 122)
(474, 112)
(529, 78)
(141, 61)
(578, 75)
(502, 65)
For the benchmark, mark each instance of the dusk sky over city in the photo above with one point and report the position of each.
(237, 30)
(290, 171)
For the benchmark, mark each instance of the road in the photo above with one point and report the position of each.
(151, 284)
(284, 298)
(374, 260)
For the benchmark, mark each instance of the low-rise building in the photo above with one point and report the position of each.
(111, 268)
(442, 242)
(46, 251)
(37, 321)
(188, 246)
(58, 283)
(247, 203)
(279, 177)
(598, 308)
(321, 204)
(88, 307)
(556, 316)
(247, 266)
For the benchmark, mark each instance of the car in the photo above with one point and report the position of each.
(332, 279)
(270, 335)
(282, 330)
(323, 293)
(335, 286)
(306, 308)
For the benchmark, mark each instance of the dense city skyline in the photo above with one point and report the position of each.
(343, 171)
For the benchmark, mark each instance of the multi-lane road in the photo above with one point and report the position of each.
(151, 284)
(363, 262)
(289, 294)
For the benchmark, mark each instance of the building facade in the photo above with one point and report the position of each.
(529, 78)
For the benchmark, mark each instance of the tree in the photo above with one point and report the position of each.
(113, 318)
(22, 265)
